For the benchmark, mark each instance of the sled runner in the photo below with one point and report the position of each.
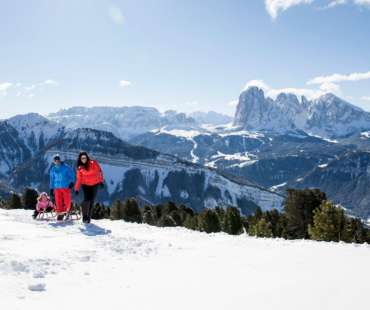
(74, 214)
(46, 214)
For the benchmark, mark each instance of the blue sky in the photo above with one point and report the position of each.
(179, 54)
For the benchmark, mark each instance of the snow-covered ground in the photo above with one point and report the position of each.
(118, 265)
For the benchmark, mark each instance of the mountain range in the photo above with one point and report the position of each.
(204, 159)
(29, 142)
(327, 116)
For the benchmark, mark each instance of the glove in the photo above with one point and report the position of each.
(101, 185)
(76, 192)
(51, 193)
(70, 186)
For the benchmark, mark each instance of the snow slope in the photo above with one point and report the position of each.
(118, 265)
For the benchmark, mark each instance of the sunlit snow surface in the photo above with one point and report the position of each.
(117, 265)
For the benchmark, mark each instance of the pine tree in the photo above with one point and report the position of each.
(261, 229)
(131, 211)
(2, 203)
(233, 224)
(116, 212)
(166, 221)
(354, 231)
(273, 217)
(148, 216)
(298, 209)
(221, 215)
(30, 198)
(183, 212)
(98, 212)
(328, 222)
(191, 222)
(14, 202)
(209, 221)
(169, 207)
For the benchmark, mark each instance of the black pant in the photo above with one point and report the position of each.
(90, 192)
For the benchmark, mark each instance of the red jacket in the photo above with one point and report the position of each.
(92, 176)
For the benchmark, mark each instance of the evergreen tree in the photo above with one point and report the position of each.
(148, 216)
(176, 216)
(298, 209)
(30, 198)
(232, 223)
(168, 208)
(281, 227)
(221, 215)
(131, 211)
(107, 212)
(328, 222)
(183, 212)
(262, 228)
(166, 221)
(258, 214)
(354, 231)
(158, 210)
(116, 212)
(98, 212)
(273, 217)
(14, 202)
(191, 222)
(209, 221)
(2, 203)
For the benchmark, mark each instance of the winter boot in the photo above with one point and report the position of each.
(60, 217)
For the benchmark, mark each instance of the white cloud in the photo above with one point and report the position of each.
(274, 7)
(362, 2)
(116, 15)
(124, 83)
(274, 92)
(337, 78)
(366, 98)
(29, 88)
(335, 3)
(330, 87)
(50, 82)
(233, 103)
(4, 88)
(258, 83)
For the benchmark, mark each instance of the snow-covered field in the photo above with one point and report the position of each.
(117, 265)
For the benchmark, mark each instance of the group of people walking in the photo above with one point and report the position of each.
(63, 181)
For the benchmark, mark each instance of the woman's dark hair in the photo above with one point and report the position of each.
(80, 163)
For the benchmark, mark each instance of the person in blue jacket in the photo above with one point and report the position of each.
(62, 180)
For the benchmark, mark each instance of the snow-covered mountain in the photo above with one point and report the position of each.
(13, 150)
(35, 130)
(272, 143)
(211, 117)
(328, 116)
(345, 179)
(123, 122)
(136, 171)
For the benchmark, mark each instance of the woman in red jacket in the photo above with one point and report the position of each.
(90, 177)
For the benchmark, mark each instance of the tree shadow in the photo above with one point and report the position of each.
(94, 230)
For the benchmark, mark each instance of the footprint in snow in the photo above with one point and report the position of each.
(39, 275)
(39, 287)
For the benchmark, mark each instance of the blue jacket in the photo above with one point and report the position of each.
(61, 176)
